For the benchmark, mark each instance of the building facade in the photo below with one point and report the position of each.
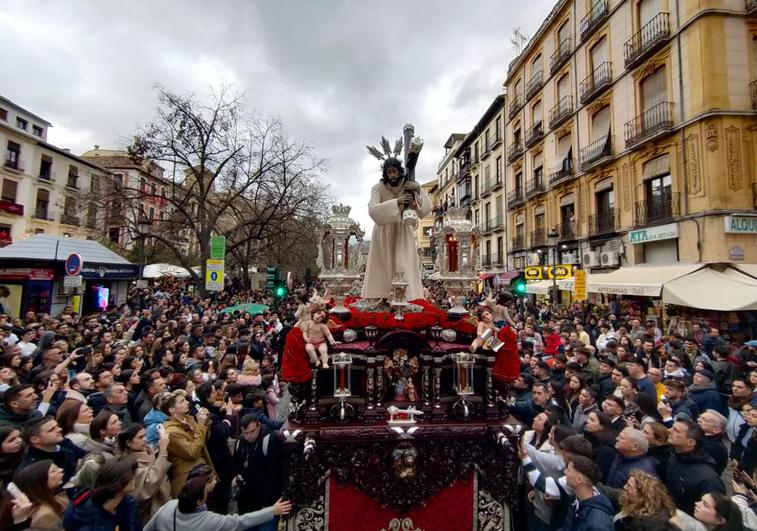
(45, 189)
(631, 135)
(424, 234)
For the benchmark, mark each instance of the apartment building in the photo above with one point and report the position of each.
(45, 189)
(630, 134)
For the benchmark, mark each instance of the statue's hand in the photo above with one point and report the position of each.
(405, 200)
(412, 186)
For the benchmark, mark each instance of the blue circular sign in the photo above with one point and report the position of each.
(214, 276)
(73, 264)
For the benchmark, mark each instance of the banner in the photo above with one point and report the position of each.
(214, 275)
(579, 284)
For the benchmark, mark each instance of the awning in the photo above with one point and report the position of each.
(540, 287)
(749, 269)
(484, 276)
(709, 289)
(644, 280)
(164, 270)
(568, 284)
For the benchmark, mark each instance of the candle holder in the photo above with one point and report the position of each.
(342, 411)
(371, 333)
(436, 335)
(399, 290)
(463, 364)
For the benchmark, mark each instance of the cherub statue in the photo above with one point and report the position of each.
(309, 305)
(483, 325)
(316, 334)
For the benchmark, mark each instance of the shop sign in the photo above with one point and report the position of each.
(559, 272)
(112, 272)
(22, 273)
(72, 281)
(214, 275)
(653, 234)
(741, 224)
(735, 253)
(579, 285)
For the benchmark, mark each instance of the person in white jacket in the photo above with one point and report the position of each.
(189, 511)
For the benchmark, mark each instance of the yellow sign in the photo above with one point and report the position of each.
(579, 284)
(214, 275)
(559, 272)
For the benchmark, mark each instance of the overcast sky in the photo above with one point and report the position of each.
(337, 73)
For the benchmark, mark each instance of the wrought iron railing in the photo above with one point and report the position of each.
(514, 150)
(538, 237)
(652, 35)
(534, 134)
(595, 82)
(515, 197)
(656, 119)
(656, 209)
(597, 14)
(560, 55)
(535, 186)
(515, 104)
(596, 151)
(534, 84)
(605, 220)
(561, 111)
(567, 231)
(562, 171)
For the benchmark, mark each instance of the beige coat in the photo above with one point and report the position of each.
(152, 486)
(186, 449)
(45, 517)
(393, 247)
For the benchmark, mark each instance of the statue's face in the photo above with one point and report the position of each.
(393, 176)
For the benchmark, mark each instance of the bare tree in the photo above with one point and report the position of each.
(230, 173)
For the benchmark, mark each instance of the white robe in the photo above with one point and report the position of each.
(393, 246)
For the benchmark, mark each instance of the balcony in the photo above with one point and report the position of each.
(560, 55)
(42, 214)
(751, 8)
(534, 84)
(515, 197)
(73, 182)
(603, 221)
(48, 176)
(650, 38)
(465, 200)
(486, 260)
(487, 151)
(514, 106)
(595, 83)
(495, 223)
(475, 160)
(486, 189)
(10, 207)
(534, 134)
(514, 150)
(595, 153)
(567, 231)
(14, 165)
(539, 237)
(597, 15)
(497, 184)
(518, 243)
(535, 186)
(464, 170)
(653, 122)
(658, 209)
(70, 219)
(753, 91)
(560, 112)
(562, 172)
(496, 140)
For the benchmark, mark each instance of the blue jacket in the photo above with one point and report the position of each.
(621, 469)
(707, 397)
(152, 420)
(594, 514)
(83, 514)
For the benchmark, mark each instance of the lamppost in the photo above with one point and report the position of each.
(552, 237)
(143, 223)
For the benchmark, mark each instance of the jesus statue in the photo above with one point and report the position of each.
(393, 245)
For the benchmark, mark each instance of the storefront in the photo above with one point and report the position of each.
(33, 276)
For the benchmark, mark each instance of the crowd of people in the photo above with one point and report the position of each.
(630, 427)
(164, 411)
(161, 412)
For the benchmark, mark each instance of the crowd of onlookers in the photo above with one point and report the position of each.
(159, 413)
(630, 427)
(164, 412)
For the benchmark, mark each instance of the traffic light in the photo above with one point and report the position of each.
(279, 289)
(519, 285)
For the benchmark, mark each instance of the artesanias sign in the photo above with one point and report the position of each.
(653, 234)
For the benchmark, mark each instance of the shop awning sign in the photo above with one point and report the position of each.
(653, 234)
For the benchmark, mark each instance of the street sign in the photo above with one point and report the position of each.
(580, 284)
(70, 281)
(214, 275)
(73, 264)
(218, 247)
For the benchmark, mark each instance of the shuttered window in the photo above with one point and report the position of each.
(654, 89)
(648, 10)
(537, 113)
(600, 124)
(563, 33)
(563, 88)
(563, 146)
(599, 53)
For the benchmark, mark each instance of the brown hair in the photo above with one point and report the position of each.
(650, 497)
(32, 480)
(67, 414)
(660, 432)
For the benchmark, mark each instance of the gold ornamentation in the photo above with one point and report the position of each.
(401, 524)
(599, 104)
(711, 135)
(626, 188)
(733, 150)
(692, 164)
(649, 67)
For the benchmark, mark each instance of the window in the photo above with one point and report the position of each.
(499, 169)
(5, 235)
(488, 252)
(648, 9)
(517, 90)
(487, 177)
(654, 89)
(69, 207)
(12, 156)
(567, 215)
(600, 124)
(539, 222)
(475, 188)
(143, 185)
(10, 189)
(516, 135)
(475, 152)
(46, 168)
(538, 169)
(151, 214)
(21, 123)
(3, 114)
(487, 212)
(153, 189)
(536, 113)
(498, 128)
(476, 221)
(563, 33)
(37, 130)
(536, 65)
(564, 152)
(598, 54)
(500, 249)
(519, 181)
(114, 234)
(563, 87)
(73, 177)
(43, 202)
(486, 140)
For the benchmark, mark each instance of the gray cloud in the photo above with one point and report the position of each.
(338, 73)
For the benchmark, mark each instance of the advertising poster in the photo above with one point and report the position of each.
(10, 299)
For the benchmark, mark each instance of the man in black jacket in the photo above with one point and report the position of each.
(713, 425)
(258, 468)
(45, 440)
(690, 472)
